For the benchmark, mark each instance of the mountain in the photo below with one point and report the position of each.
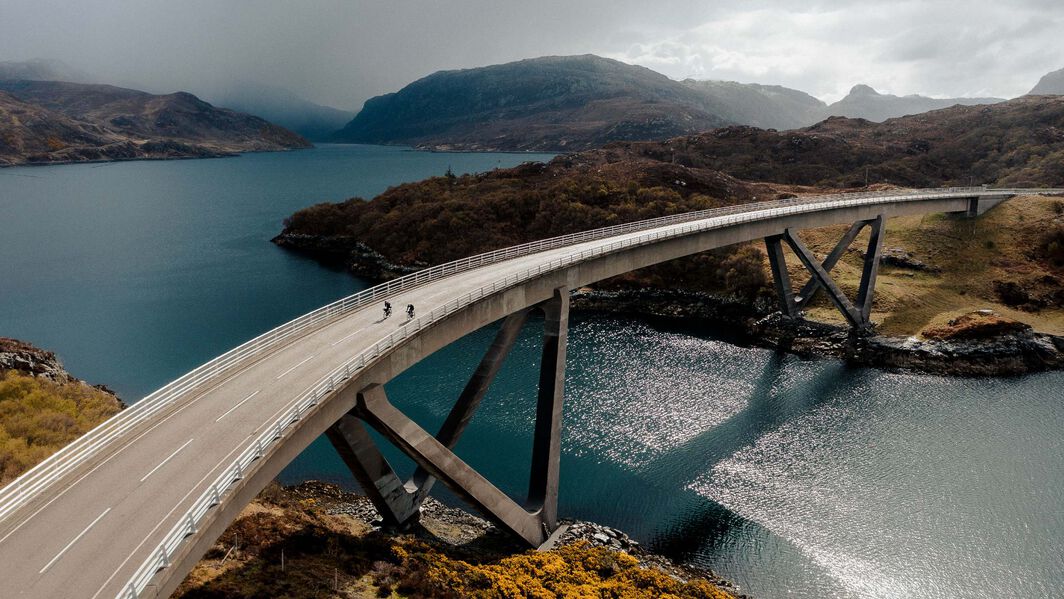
(863, 102)
(53, 121)
(285, 108)
(549, 103)
(1051, 84)
(765, 106)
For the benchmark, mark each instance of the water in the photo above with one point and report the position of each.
(794, 478)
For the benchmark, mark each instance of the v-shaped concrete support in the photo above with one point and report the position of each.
(399, 503)
(857, 315)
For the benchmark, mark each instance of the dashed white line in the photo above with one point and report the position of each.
(346, 337)
(168, 458)
(98, 466)
(242, 402)
(163, 521)
(305, 360)
(70, 544)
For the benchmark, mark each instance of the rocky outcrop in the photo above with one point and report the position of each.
(338, 250)
(25, 358)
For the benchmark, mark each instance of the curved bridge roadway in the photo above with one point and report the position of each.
(129, 508)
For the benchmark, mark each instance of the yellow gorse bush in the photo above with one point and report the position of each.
(575, 571)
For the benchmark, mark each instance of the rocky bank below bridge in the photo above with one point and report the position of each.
(981, 343)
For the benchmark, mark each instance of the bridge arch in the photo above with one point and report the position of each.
(539, 276)
(362, 398)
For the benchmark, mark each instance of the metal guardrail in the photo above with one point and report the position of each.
(32, 483)
(698, 221)
(18, 492)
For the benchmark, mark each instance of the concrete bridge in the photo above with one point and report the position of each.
(129, 508)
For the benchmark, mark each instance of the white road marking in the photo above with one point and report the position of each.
(168, 458)
(341, 340)
(163, 521)
(98, 466)
(305, 360)
(81, 534)
(242, 402)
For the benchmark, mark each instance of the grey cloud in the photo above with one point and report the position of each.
(340, 52)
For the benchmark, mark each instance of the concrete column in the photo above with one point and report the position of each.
(871, 270)
(472, 394)
(442, 463)
(396, 504)
(546, 441)
(780, 277)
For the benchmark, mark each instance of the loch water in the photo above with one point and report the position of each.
(794, 478)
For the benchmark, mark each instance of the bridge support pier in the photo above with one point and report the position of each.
(858, 316)
(399, 503)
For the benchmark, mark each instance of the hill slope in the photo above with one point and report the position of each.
(52, 121)
(1017, 142)
(1050, 84)
(764, 106)
(863, 102)
(551, 103)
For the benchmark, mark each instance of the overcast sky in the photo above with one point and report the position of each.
(340, 52)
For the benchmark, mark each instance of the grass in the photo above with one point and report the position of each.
(971, 254)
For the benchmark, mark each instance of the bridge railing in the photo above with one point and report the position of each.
(188, 524)
(82, 450)
(54, 468)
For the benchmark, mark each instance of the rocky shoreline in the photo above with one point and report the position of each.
(1009, 352)
(1005, 351)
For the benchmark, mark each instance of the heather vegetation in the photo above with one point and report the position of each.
(38, 416)
(298, 543)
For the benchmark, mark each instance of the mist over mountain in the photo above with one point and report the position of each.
(41, 69)
(1050, 84)
(549, 103)
(866, 103)
(764, 106)
(283, 107)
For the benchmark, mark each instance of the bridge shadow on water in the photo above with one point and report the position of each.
(653, 501)
(701, 525)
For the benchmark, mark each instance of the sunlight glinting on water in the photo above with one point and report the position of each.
(637, 393)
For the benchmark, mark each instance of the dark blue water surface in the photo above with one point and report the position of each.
(794, 478)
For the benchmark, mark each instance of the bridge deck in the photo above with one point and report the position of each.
(92, 535)
(86, 535)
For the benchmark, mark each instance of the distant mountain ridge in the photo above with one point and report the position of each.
(866, 103)
(1050, 84)
(572, 103)
(549, 103)
(54, 121)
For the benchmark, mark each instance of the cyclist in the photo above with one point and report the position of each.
(387, 309)
(410, 310)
